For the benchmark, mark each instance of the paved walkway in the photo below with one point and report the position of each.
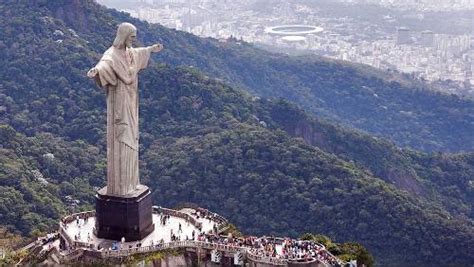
(83, 231)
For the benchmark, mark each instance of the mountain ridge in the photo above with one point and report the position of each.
(193, 130)
(402, 110)
(389, 105)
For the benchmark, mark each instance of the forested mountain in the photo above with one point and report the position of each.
(380, 103)
(440, 178)
(205, 142)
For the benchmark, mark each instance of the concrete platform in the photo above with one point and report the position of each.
(81, 230)
(77, 241)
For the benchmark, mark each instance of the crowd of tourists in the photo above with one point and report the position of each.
(268, 248)
(164, 219)
(275, 248)
(206, 214)
(305, 250)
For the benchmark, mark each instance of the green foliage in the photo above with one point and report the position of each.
(233, 230)
(347, 251)
(33, 174)
(321, 239)
(441, 179)
(9, 242)
(384, 104)
(353, 251)
(207, 143)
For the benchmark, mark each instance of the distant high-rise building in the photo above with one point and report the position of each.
(427, 38)
(403, 36)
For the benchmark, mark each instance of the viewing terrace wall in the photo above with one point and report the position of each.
(251, 255)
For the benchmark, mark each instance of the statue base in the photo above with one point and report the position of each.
(124, 216)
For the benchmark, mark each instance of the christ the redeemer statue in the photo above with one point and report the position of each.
(117, 72)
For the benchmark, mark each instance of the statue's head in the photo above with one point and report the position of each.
(126, 35)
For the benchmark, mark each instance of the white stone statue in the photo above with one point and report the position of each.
(117, 72)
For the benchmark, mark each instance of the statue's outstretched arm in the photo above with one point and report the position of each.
(92, 72)
(104, 74)
(156, 48)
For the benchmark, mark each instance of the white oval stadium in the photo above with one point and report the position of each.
(288, 30)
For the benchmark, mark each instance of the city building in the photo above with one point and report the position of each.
(403, 36)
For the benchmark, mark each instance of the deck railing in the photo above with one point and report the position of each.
(178, 214)
(84, 247)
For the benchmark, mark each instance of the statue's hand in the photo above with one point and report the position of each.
(92, 73)
(156, 48)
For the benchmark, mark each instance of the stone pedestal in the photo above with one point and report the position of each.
(127, 216)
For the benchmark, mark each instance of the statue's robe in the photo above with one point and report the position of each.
(115, 70)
